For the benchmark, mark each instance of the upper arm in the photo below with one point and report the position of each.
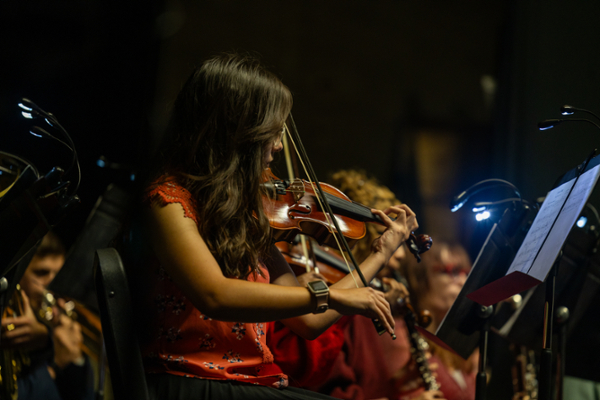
(183, 253)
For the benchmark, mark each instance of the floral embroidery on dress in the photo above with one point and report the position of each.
(230, 357)
(204, 317)
(259, 329)
(179, 360)
(259, 346)
(173, 334)
(239, 329)
(178, 306)
(210, 365)
(161, 302)
(207, 342)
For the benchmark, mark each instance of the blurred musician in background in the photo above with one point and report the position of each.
(53, 364)
(434, 285)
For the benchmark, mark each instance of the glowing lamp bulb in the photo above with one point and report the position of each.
(24, 107)
(581, 221)
(482, 216)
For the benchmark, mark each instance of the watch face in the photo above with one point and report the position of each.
(318, 285)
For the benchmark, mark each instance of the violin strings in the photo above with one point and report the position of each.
(327, 216)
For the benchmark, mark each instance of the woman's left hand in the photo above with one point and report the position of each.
(397, 231)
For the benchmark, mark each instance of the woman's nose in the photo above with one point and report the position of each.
(278, 146)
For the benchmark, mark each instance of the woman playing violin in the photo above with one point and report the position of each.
(210, 277)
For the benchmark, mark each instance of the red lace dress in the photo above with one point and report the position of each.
(180, 339)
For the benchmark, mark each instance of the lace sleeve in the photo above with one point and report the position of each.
(168, 191)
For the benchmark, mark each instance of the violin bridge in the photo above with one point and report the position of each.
(297, 189)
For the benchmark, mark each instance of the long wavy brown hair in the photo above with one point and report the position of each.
(229, 110)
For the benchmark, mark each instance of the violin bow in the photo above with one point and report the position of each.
(303, 156)
(292, 170)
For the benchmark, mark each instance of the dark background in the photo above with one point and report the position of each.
(429, 96)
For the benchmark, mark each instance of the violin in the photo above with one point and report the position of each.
(291, 210)
(324, 261)
(293, 207)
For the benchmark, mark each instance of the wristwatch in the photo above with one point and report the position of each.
(320, 291)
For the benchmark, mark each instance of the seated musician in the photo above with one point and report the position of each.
(47, 347)
(434, 284)
(351, 361)
(210, 278)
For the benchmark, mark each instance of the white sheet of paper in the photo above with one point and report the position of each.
(538, 267)
(563, 225)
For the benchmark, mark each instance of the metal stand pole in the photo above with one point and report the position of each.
(545, 381)
(484, 312)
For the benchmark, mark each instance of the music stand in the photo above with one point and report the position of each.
(489, 282)
(460, 328)
(577, 285)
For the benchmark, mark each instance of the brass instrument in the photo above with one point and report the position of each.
(89, 322)
(12, 360)
(91, 331)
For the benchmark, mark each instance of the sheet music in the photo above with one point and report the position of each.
(540, 228)
(567, 218)
(538, 267)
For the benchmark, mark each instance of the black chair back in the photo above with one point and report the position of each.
(116, 314)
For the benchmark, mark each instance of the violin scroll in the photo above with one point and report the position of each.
(419, 244)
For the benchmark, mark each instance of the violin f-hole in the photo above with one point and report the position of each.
(299, 209)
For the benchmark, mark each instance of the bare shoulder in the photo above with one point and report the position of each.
(176, 240)
(169, 218)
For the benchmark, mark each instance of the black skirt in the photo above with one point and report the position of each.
(174, 387)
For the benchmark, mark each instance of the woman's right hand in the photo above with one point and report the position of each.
(367, 302)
